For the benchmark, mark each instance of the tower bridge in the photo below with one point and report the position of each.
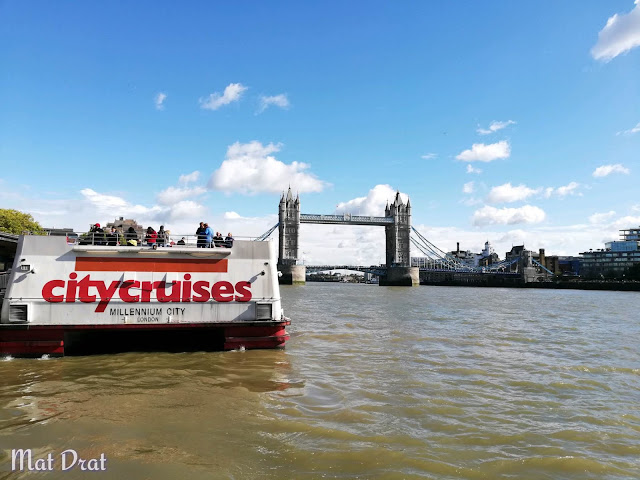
(399, 236)
(396, 222)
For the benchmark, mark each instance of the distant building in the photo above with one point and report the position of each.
(570, 266)
(615, 258)
(124, 223)
(467, 258)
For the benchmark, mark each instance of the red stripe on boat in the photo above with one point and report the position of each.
(109, 264)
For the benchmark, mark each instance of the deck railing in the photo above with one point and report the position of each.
(137, 240)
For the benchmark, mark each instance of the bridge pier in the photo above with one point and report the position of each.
(292, 274)
(401, 277)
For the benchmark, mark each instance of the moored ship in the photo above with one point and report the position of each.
(64, 298)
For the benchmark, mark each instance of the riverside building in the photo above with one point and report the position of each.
(615, 258)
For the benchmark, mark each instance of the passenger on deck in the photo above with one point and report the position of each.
(162, 237)
(151, 237)
(208, 235)
(181, 242)
(228, 241)
(131, 236)
(218, 240)
(112, 237)
(97, 235)
(202, 238)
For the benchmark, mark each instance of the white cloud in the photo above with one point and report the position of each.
(117, 206)
(599, 218)
(619, 35)
(605, 170)
(631, 131)
(626, 222)
(470, 169)
(249, 168)
(507, 193)
(189, 178)
(635, 208)
(173, 195)
(182, 210)
(159, 101)
(276, 100)
(232, 216)
(429, 156)
(468, 187)
(480, 152)
(179, 216)
(371, 205)
(232, 93)
(494, 127)
(488, 215)
(569, 189)
(107, 202)
(471, 201)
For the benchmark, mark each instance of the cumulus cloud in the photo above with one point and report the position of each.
(183, 213)
(599, 218)
(619, 35)
(605, 170)
(468, 187)
(569, 189)
(631, 131)
(479, 152)
(371, 205)
(116, 205)
(173, 195)
(182, 210)
(494, 127)
(159, 100)
(276, 100)
(429, 156)
(488, 215)
(189, 178)
(507, 193)
(626, 222)
(250, 168)
(232, 93)
(470, 169)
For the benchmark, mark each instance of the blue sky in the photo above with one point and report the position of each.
(109, 110)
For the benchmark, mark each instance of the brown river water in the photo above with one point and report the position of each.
(375, 383)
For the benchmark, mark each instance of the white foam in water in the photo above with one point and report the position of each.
(45, 357)
(7, 358)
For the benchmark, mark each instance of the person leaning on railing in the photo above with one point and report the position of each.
(163, 238)
(131, 237)
(228, 241)
(151, 237)
(95, 236)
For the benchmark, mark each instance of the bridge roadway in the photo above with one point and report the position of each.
(375, 269)
(345, 219)
(381, 270)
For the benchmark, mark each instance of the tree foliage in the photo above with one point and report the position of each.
(16, 222)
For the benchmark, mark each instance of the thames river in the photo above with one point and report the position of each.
(375, 383)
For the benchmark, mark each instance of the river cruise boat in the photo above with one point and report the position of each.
(65, 297)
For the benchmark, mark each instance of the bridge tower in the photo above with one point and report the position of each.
(289, 235)
(398, 234)
(398, 245)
